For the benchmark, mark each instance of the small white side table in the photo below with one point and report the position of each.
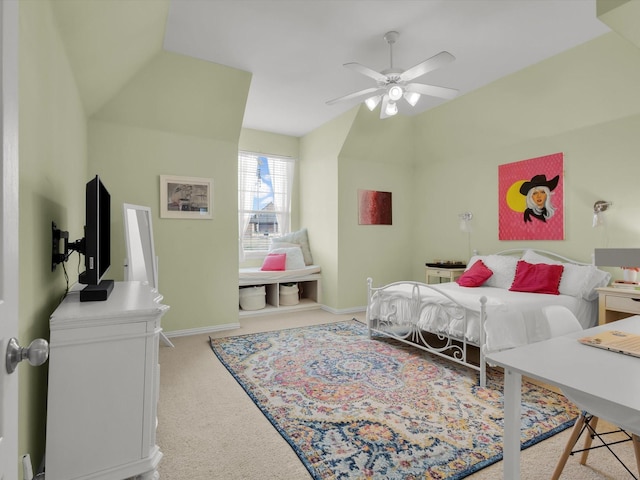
(446, 274)
(616, 303)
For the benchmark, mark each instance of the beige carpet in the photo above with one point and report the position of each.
(210, 429)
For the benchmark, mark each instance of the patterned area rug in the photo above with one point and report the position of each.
(356, 408)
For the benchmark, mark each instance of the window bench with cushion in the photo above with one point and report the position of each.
(308, 281)
(287, 280)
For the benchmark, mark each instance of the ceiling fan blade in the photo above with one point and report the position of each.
(369, 72)
(433, 63)
(367, 92)
(432, 90)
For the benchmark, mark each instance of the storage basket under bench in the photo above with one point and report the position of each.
(263, 292)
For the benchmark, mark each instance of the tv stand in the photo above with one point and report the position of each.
(103, 386)
(96, 293)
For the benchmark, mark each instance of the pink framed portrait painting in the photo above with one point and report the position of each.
(531, 199)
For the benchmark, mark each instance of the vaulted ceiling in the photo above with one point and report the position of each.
(295, 49)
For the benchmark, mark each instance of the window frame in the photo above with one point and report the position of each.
(281, 183)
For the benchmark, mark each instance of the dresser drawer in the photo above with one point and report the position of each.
(447, 273)
(623, 304)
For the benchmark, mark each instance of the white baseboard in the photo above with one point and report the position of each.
(344, 311)
(236, 325)
(196, 331)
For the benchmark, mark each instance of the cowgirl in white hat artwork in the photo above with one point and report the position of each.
(538, 192)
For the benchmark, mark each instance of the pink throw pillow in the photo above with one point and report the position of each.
(475, 276)
(537, 278)
(274, 262)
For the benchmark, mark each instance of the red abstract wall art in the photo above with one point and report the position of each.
(374, 208)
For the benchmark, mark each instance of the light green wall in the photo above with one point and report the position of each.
(377, 155)
(178, 116)
(53, 172)
(258, 141)
(182, 95)
(196, 257)
(622, 17)
(355, 151)
(168, 119)
(107, 41)
(319, 197)
(584, 103)
(605, 6)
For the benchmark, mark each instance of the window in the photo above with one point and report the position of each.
(264, 199)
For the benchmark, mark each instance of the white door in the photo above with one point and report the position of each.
(8, 235)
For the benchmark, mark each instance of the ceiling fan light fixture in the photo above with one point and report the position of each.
(372, 102)
(391, 109)
(412, 98)
(395, 92)
(393, 84)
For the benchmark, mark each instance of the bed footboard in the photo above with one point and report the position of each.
(423, 316)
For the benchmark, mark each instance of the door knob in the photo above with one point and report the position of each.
(37, 353)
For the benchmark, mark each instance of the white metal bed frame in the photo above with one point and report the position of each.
(454, 348)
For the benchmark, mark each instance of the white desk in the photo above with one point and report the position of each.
(603, 383)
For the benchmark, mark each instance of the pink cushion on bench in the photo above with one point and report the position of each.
(274, 262)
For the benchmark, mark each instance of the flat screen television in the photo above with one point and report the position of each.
(97, 233)
(95, 245)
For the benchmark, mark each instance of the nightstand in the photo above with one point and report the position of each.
(446, 274)
(617, 303)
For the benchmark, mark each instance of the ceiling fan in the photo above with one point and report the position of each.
(393, 84)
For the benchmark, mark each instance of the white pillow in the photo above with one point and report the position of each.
(300, 238)
(577, 280)
(502, 266)
(295, 259)
(530, 256)
(597, 279)
(283, 245)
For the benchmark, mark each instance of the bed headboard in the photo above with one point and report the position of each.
(579, 279)
(554, 256)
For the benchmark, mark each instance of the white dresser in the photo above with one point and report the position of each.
(103, 386)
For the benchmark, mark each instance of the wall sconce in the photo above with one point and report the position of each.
(598, 208)
(465, 221)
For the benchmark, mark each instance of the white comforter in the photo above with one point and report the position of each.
(513, 318)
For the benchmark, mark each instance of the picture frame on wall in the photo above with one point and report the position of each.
(531, 199)
(374, 207)
(186, 197)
